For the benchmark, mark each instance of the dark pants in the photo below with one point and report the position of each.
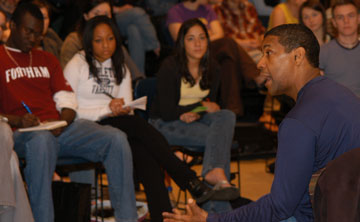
(151, 153)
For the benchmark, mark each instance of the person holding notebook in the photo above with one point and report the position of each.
(35, 77)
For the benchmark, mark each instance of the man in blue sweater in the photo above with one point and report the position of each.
(324, 124)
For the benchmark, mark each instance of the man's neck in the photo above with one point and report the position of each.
(348, 41)
(191, 5)
(306, 76)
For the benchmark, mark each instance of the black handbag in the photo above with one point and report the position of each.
(72, 201)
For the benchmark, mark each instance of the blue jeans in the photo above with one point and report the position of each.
(212, 134)
(135, 25)
(83, 139)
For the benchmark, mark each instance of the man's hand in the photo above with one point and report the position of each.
(189, 117)
(66, 114)
(193, 214)
(56, 132)
(28, 120)
(117, 107)
(211, 106)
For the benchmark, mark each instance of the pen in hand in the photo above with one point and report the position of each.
(26, 107)
(109, 95)
(29, 120)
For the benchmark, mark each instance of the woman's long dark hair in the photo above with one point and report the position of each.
(117, 58)
(317, 6)
(181, 58)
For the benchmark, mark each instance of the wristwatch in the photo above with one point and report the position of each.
(3, 119)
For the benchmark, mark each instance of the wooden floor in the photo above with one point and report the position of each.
(255, 181)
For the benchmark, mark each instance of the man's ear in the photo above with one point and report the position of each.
(299, 55)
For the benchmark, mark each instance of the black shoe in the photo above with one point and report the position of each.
(199, 191)
(225, 193)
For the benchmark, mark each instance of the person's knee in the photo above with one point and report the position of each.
(112, 132)
(227, 116)
(42, 147)
(139, 122)
(118, 140)
(133, 32)
(138, 11)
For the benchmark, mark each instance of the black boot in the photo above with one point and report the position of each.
(199, 191)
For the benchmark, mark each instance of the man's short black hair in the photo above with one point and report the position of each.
(26, 7)
(293, 36)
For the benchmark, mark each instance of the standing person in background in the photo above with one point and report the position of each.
(73, 42)
(339, 58)
(188, 80)
(285, 13)
(102, 85)
(312, 14)
(34, 77)
(14, 204)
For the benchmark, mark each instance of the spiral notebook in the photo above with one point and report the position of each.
(45, 126)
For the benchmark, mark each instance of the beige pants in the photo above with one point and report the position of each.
(14, 204)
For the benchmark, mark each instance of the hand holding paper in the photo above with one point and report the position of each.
(138, 103)
(199, 109)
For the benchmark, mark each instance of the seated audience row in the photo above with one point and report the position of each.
(102, 85)
(52, 98)
(35, 78)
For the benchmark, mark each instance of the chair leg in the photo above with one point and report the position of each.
(238, 168)
(96, 195)
(101, 195)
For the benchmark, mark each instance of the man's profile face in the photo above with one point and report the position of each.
(346, 19)
(27, 33)
(276, 66)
